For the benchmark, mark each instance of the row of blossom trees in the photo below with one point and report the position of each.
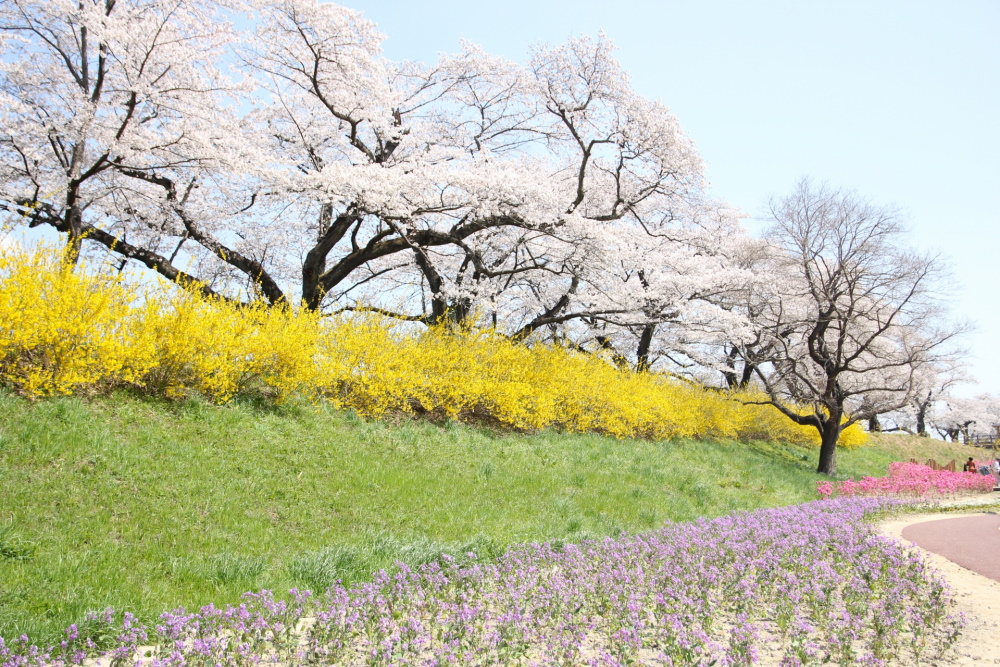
(935, 412)
(265, 150)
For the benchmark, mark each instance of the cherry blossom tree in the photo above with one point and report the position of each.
(857, 315)
(736, 351)
(113, 116)
(968, 419)
(931, 386)
(538, 195)
(266, 150)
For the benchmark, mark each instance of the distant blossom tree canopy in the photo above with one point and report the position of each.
(968, 420)
(930, 389)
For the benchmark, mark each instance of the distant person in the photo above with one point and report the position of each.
(970, 465)
(995, 469)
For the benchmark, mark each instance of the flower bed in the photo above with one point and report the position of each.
(910, 480)
(801, 585)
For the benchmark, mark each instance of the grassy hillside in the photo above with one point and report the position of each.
(906, 447)
(144, 506)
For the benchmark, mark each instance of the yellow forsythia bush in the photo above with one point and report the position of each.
(470, 373)
(64, 331)
(218, 349)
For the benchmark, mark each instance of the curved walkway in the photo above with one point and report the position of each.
(976, 595)
(971, 541)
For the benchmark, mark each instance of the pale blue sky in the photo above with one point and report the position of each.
(899, 100)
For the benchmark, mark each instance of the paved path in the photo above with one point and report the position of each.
(972, 541)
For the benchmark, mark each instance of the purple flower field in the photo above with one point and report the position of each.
(799, 585)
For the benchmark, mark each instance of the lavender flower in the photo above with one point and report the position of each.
(808, 584)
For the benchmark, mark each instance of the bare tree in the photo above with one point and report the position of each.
(856, 319)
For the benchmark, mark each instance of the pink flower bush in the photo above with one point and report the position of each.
(910, 480)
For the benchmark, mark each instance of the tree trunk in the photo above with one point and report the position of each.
(460, 311)
(73, 223)
(730, 375)
(874, 426)
(616, 356)
(830, 433)
(922, 420)
(645, 342)
(439, 308)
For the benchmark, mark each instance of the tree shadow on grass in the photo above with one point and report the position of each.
(793, 455)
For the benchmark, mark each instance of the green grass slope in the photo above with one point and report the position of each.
(145, 506)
